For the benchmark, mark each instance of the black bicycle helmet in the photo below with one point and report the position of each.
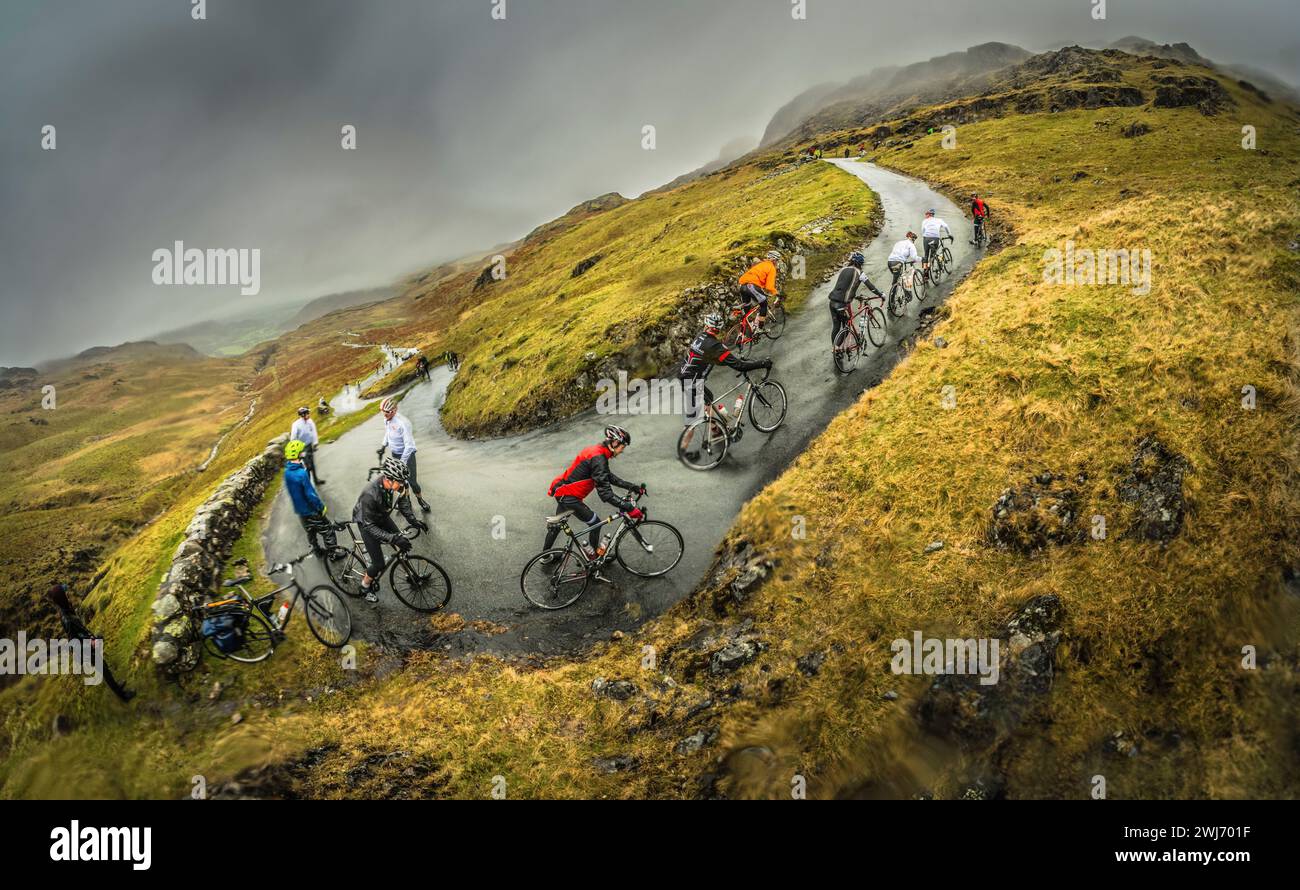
(857, 259)
(393, 468)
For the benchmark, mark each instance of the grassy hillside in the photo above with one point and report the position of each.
(441, 308)
(780, 664)
(526, 337)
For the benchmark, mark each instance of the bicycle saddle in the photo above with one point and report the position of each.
(231, 582)
(558, 517)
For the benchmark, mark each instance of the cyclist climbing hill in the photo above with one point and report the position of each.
(759, 282)
(373, 516)
(705, 352)
(904, 252)
(980, 211)
(845, 290)
(932, 230)
(590, 471)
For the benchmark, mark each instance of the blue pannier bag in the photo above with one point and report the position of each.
(226, 631)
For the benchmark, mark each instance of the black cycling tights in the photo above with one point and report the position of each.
(754, 292)
(583, 512)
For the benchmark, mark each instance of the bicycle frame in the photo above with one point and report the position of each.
(255, 602)
(624, 526)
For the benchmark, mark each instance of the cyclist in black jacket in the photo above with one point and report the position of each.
(706, 352)
(845, 290)
(590, 472)
(372, 514)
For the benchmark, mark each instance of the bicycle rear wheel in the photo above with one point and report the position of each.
(708, 441)
(767, 406)
(556, 584)
(346, 573)
(258, 645)
(655, 549)
(420, 583)
(845, 352)
(876, 326)
(328, 616)
(897, 307)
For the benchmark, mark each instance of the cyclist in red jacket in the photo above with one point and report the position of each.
(980, 211)
(590, 471)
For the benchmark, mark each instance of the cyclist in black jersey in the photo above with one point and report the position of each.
(372, 514)
(706, 352)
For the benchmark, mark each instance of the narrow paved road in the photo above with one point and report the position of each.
(476, 486)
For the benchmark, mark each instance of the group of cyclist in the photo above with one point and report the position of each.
(590, 469)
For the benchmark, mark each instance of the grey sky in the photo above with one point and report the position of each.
(225, 132)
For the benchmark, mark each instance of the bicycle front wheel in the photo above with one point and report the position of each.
(920, 287)
(876, 326)
(554, 579)
(650, 549)
(346, 573)
(703, 444)
(845, 352)
(767, 406)
(420, 583)
(328, 616)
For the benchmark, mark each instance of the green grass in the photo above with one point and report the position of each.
(1047, 378)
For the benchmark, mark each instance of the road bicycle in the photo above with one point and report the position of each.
(419, 582)
(556, 578)
(742, 335)
(704, 443)
(940, 263)
(867, 323)
(981, 236)
(327, 614)
(911, 282)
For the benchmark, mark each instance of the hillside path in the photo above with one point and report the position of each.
(471, 483)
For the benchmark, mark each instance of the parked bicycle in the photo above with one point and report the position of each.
(243, 628)
(742, 335)
(704, 443)
(865, 324)
(556, 578)
(419, 582)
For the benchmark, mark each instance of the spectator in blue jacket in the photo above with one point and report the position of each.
(306, 503)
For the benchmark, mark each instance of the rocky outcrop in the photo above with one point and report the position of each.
(1041, 512)
(1206, 94)
(1153, 487)
(198, 561)
(958, 707)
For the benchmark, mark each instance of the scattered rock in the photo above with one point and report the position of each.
(733, 656)
(619, 690)
(586, 264)
(1028, 518)
(811, 663)
(216, 690)
(1154, 486)
(974, 715)
(696, 741)
(236, 718)
(1135, 129)
(891, 695)
(619, 763)
(934, 546)
(1119, 746)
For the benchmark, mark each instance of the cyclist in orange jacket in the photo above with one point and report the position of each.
(758, 283)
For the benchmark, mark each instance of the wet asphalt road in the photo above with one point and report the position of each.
(475, 487)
